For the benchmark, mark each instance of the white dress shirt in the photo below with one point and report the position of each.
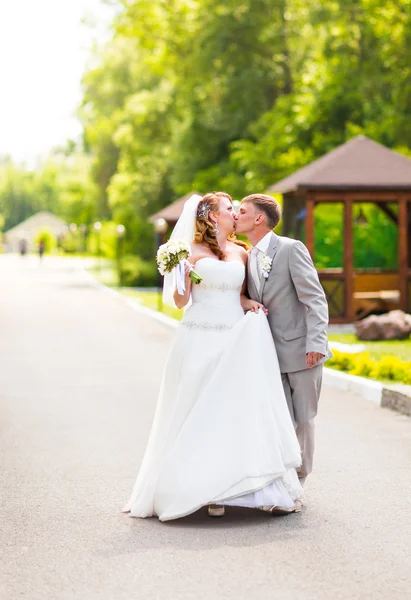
(257, 251)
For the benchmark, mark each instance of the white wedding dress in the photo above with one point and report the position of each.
(222, 432)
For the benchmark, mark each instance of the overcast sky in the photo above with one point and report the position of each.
(43, 53)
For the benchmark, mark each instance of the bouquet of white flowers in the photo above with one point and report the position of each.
(173, 255)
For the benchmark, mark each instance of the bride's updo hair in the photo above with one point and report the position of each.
(204, 228)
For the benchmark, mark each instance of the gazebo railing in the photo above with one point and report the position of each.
(372, 290)
(333, 282)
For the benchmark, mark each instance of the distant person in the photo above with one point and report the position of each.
(23, 247)
(42, 247)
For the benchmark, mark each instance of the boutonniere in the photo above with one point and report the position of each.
(265, 263)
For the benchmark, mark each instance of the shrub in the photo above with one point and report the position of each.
(49, 239)
(388, 367)
(103, 242)
(391, 367)
(341, 361)
(407, 376)
(363, 365)
(135, 272)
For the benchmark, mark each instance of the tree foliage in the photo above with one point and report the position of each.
(234, 95)
(204, 93)
(62, 185)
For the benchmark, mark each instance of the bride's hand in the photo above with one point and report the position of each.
(254, 306)
(188, 267)
(182, 299)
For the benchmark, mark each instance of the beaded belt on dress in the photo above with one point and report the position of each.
(221, 287)
(205, 326)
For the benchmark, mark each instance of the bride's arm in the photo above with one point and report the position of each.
(244, 299)
(182, 299)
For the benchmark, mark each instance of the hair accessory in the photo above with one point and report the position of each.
(203, 210)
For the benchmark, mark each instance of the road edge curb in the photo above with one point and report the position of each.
(368, 389)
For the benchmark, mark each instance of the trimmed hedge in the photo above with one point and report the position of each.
(388, 367)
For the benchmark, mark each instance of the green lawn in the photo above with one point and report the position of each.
(104, 271)
(152, 300)
(400, 349)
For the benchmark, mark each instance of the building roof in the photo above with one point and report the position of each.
(35, 222)
(360, 163)
(172, 212)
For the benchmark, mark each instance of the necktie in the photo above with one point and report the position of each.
(254, 267)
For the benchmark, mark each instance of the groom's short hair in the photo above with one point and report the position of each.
(268, 206)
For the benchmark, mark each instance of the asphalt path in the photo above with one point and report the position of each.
(79, 374)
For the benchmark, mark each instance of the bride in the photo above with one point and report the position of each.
(222, 434)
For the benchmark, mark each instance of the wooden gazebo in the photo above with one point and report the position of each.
(359, 171)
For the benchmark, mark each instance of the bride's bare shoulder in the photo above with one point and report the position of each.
(198, 251)
(238, 251)
(196, 248)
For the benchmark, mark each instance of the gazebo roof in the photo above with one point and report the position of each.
(360, 163)
(172, 212)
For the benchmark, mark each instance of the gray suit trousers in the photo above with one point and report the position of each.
(302, 390)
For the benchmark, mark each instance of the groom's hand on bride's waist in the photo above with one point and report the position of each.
(256, 306)
(253, 305)
(312, 358)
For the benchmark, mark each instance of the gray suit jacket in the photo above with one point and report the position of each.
(296, 303)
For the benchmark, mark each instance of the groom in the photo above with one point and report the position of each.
(281, 275)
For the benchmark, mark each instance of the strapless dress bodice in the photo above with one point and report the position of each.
(222, 281)
(216, 300)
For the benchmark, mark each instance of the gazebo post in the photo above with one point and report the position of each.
(309, 224)
(403, 252)
(348, 259)
(409, 232)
